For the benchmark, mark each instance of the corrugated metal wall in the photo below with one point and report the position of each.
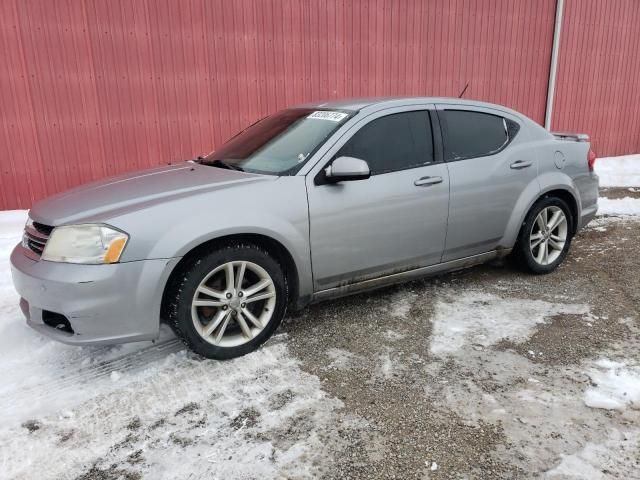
(93, 88)
(598, 83)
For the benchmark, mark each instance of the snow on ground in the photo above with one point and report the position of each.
(596, 461)
(619, 206)
(389, 366)
(49, 363)
(189, 417)
(540, 409)
(623, 171)
(482, 319)
(401, 304)
(11, 224)
(152, 409)
(340, 359)
(616, 386)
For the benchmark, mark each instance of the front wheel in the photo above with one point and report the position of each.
(228, 302)
(545, 236)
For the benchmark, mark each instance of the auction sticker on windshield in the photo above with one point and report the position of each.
(324, 115)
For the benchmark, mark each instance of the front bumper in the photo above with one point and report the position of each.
(104, 304)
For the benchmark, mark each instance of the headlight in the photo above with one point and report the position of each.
(92, 244)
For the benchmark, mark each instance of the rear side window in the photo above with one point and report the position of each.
(395, 142)
(470, 134)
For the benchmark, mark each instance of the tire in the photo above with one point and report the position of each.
(200, 303)
(532, 259)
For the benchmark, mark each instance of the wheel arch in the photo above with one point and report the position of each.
(569, 198)
(564, 194)
(522, 252)
(532, 194)
(270, 244)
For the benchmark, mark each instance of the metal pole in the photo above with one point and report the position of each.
(551, 87)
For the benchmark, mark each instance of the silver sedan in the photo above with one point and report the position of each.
(310, 203)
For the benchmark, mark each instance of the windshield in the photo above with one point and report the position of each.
(279, 144)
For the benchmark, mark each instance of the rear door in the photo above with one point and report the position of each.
(391, 222)
(490, 165)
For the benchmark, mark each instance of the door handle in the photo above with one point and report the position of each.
(426, 181)
(520, 164)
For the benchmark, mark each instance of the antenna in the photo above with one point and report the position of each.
(464, 90)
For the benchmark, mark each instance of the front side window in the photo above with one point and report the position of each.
(469, 134)
(395, 142)
(279, 144)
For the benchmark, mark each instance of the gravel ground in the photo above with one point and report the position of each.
(633, 192)
(485, 373)
(511, 408)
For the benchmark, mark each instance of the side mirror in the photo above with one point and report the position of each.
(344, 169)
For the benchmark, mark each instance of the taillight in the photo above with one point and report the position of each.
(591, 159)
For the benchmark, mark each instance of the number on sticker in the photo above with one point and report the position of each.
(324, 115)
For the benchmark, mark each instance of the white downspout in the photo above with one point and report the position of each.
(551, 87)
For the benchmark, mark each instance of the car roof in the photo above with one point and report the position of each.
(373, 104)
(357, 104)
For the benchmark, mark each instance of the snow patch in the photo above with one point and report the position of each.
(341, 359)
(623, 171)
(401, 304)
(256, 416)
(601, 461)
(478, 318)
(11, 227)
(617, 386)
(389, 368)
(619, 206)
(393, 336)
(11, 223)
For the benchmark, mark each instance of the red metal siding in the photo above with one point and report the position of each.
(598, 82)
(93, 88)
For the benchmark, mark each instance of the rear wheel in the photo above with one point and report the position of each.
(228, 302)
(545, 236)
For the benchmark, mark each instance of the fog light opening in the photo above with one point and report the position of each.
(57, 321)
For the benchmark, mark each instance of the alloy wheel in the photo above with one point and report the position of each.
(233, 303)
(548, 235)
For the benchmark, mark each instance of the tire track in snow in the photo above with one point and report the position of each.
(72, 378)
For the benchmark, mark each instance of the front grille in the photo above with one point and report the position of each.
(44, 229)
(36, 236)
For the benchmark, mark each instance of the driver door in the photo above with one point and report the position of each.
(394, 221)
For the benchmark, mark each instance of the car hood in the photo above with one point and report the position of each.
(100, 200)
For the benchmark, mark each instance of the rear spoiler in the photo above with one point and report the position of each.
(573, 137)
